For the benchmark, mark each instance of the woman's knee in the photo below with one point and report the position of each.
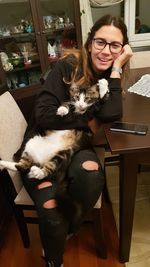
(85, 169)
(87, 181)
(92, 175)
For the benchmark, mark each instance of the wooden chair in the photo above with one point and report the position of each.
(12, 128)
(102, 148)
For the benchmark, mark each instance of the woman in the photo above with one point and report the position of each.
(104, 54)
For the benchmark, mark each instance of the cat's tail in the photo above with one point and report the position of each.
(8, 165)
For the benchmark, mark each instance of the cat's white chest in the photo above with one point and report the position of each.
(44, 148)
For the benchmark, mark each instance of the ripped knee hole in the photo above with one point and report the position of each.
(50, 204)
(44, 185)
(90, 165)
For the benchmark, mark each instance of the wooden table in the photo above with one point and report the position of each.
(133, 149)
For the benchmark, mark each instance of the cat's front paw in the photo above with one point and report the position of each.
(36, 172)
(62, 111)
(103, 87)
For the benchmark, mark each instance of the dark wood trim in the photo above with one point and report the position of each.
(78, 22)
(26, 99)
(41, 42)
(25, 92)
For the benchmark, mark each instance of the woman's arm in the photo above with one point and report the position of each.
(111, 109)
(121, 60)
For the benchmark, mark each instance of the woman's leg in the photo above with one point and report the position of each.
(86, 179)
(85, 185)
(52, 225)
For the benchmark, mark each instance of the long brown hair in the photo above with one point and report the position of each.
(84, 73)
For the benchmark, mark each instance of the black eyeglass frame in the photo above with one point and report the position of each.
(106, 43)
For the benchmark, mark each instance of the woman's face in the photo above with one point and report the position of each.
(103, 59)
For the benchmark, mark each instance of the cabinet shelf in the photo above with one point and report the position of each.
(32, 34)
(17, 35)
(26, 91)
(32, 66)
(55, 31)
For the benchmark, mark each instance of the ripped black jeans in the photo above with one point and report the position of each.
(85, 186)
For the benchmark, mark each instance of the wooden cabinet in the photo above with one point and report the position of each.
(33, 34)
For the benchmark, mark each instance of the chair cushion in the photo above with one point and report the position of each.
(12, 128)
(23, 198)
(98, 203)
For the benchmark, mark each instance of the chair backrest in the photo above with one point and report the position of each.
(12, 128)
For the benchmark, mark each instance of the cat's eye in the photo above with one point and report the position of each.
(76, 97)
(87, 98)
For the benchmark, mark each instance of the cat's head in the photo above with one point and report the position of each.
(83, 97)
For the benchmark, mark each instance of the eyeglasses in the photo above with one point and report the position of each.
(100, 44)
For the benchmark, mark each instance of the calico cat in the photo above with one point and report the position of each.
(52, 153)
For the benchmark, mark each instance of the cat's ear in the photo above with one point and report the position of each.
(94, 91)
(94, 88)
(74, 89)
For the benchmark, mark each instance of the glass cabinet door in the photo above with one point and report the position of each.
(18, 48)
(33, 35)
(58, 26)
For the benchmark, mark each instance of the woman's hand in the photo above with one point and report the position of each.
(125, 55)
(119, 62)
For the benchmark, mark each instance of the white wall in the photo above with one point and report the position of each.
(144, 8)
(99, 12)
